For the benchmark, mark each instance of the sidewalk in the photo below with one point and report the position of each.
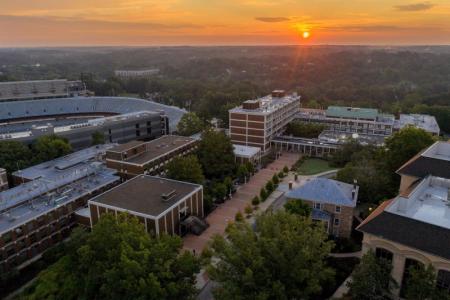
(225, 213)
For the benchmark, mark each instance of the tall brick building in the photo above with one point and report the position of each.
(256, 122)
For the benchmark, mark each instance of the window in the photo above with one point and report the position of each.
(409, 265)
(383, 253)
(336, 222)
(443, 280)
(318, 205)
(337, 209)
(7, 237)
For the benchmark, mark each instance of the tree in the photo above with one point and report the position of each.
(263, 194)
(285, 169)
(255, 201)
(283, 258)
(120, 260)
(250, 167)
(49, 147)
(98, 138)
(371, 279)
(298, 207)
(190, 124)
(275, 179)
(242, 172)
(185, 169)
(343, 155)
(239, 217)
(269, 187)
(14, 155)
(421, 284)
(219, 190)
(215, 154)
(248, 210)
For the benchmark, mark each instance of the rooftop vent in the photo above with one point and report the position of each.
(168, 196)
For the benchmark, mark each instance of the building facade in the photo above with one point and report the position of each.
(135, 158)
(257, 122)
(414, 228)
(332, 202)
(162, 205)
(4, 185)
(247, 154)
(40, 213)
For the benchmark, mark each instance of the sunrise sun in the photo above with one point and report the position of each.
(305, 34)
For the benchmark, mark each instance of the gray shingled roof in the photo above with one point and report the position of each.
(325, 191)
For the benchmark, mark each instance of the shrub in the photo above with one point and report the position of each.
(255, 200)
(281, 174)
(269, 187)
(239, 217)
(275, 179)
(248, 210)
(286, 169)
(263, 194)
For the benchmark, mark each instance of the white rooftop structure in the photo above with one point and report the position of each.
(439, 150)
(246, 151)
(268, 104)
(429, 202)
(425, 122)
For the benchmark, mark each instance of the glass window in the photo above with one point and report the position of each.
(318, 205)
(336, 222)
(383, 253)
(337, 209)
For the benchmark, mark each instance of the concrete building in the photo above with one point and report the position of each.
(332, 203)
(414, 228)
(3, 180)
(425, 122)
(135, 158)
(162, 205)
(40, 213)
(256, 122)
(350, 119)
(40, 89)
(143, 125)
(136, 73)
(244, 154)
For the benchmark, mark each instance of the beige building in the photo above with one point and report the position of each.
(332, 202)
(137, 157)
(162, 205)
(258, 121)
(414, 228)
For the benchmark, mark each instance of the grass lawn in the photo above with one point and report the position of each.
(313, 166)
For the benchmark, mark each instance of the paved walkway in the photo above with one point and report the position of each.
(225, 213)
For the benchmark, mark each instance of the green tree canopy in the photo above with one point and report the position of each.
(189, 124)
(371, 279)
(14, 155)
(120, 260)
(215, 154)
(49, 147)
(283, 258)
(295, 206)
(185, 169)
(421, 284)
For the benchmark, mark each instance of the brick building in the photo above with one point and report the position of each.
(256, 122)
(137, 157)
(162, 205)
(332, 203)
(414, 228)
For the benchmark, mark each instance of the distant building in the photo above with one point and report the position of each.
(244, 154)
(135, 158)
(39, 89)
(425, 122)
(332, 203)
(136, 73)
(162, 205)
(414, 228)
(3, 180)
(40, 213)
(142, 125)
(350, 119)
(256, 122)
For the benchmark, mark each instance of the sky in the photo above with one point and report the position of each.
(48, 23)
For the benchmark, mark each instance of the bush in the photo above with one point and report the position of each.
(263, 194)
(248, 210)
(269, 187)
(286, 169)
(275, 179)
(255, 200)
(239, 217)
(281, 174)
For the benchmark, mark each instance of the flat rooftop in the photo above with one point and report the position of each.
(44, 197)
(155, 148)
(59, 167)
(245, 151)
(429, 202)
(268, 104)
(426, 122)
(439, 150)
(143, 194)
(343, 137)
(351, 112)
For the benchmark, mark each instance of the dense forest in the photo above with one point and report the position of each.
(209, 80)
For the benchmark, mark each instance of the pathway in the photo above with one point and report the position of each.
(225, 213)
